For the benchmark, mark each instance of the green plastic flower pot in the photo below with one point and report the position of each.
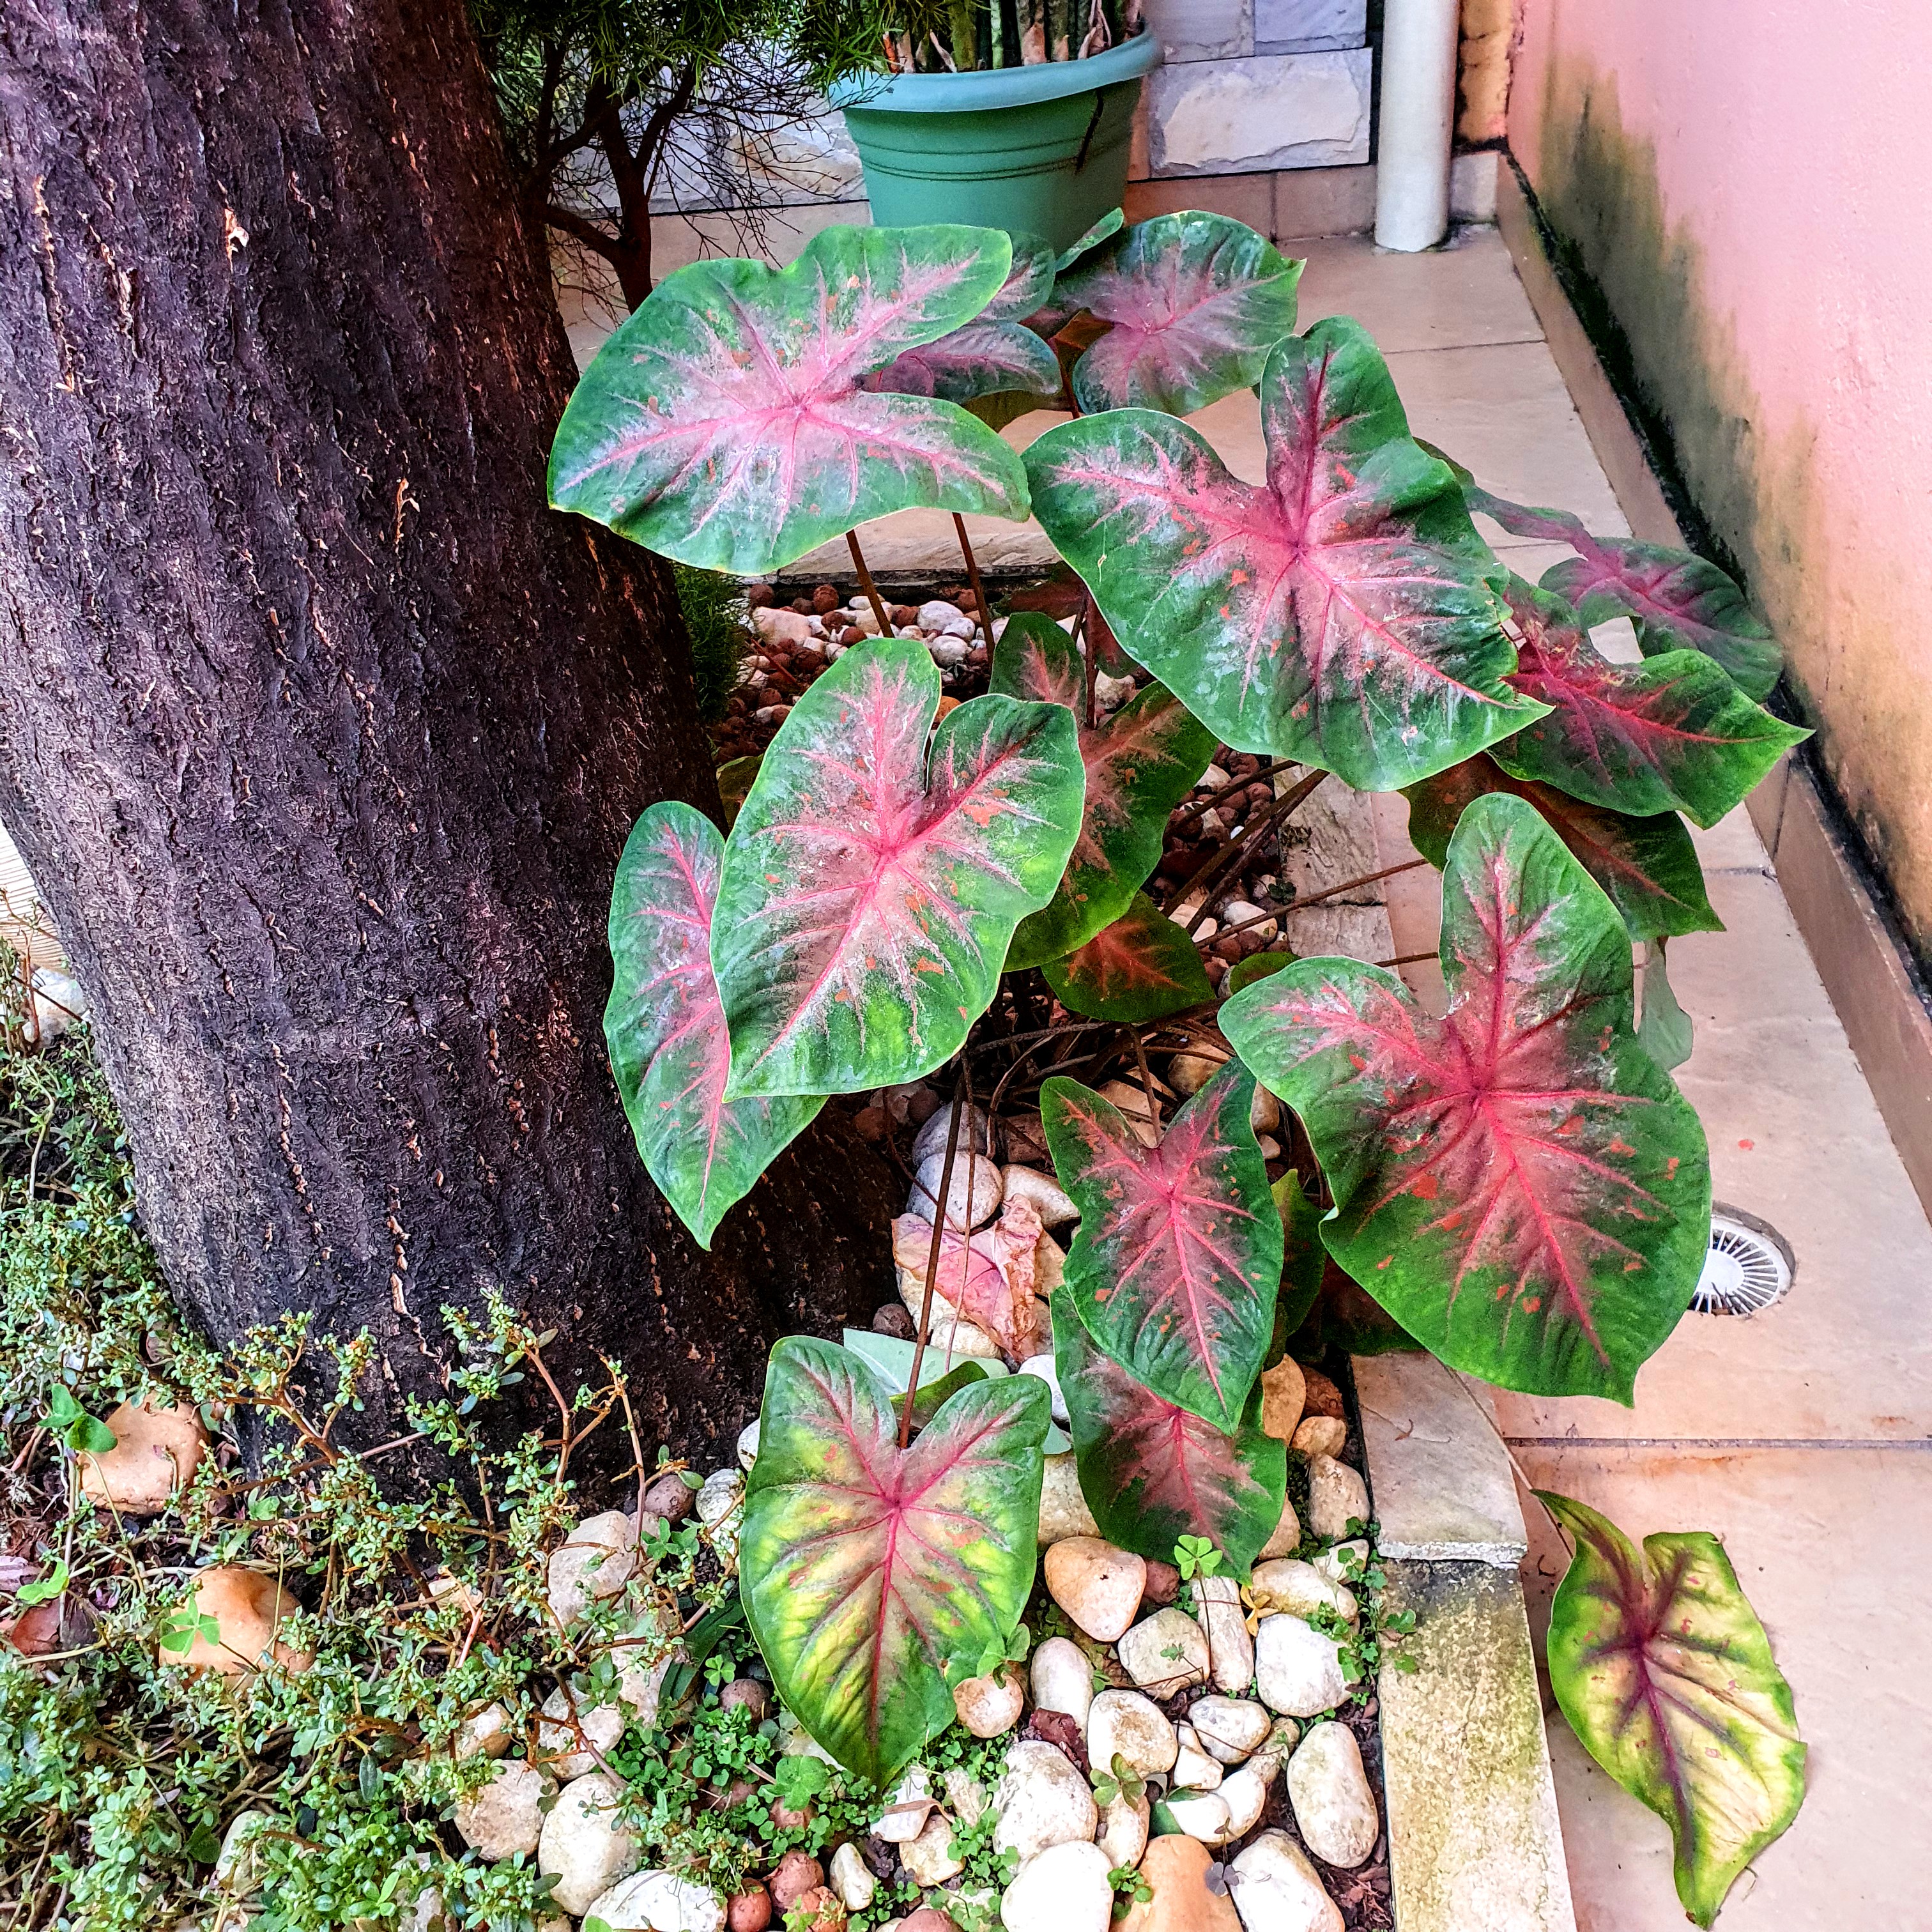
(1039, 150)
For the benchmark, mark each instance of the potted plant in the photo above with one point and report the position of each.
(1023, 115)
(1516, 1182)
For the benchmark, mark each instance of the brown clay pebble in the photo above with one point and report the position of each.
(757, 596)
(851, 634)
(798, 1872)
(786, 1820)
(904, 613)
(826, 599)
(872, 1123)
(926, 1919)
(744, 1692)
(1323, 1397)
(738, 1790)
(827, 1908)
(1229, 948)
(750, 1911)
(670, 1497)
(1163, 1583)
(893, 1319)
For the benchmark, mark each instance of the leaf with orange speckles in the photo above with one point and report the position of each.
(1344, 613)
(1570, 1209)
(1143, 967)
(1665, 1673)
(1178, 1256)
(874, 876)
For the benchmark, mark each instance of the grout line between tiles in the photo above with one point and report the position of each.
(1915, 1444)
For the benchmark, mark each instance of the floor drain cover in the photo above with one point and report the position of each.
(1749, 1266)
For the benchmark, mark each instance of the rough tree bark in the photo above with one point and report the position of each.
(320, 733)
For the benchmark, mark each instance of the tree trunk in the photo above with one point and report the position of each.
(320, 732)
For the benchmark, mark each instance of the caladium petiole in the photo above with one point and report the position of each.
(1344, 614)
(1517, 1183)
(665, 1026)
(1143, 967)
(873, 881)
(1666, 1675)
(724, 423)
(1140, 761)
(1175, 1266)
(874, 1578)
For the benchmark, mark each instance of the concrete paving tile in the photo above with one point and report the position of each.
(1731, 845)
(1451, 297)
(1825, 1544)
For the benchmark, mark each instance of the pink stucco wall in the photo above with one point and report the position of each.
(1750, 182)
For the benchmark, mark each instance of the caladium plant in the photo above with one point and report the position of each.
(725, 424)
(1665, 1673)
(875, 1578)
(1516, 1183)
(1143, 967)
(1344, 614)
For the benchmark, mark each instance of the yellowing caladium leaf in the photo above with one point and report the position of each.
(724, 423)
(993, 354)
(1344, 614)
(1516, 1183)
(1174, 1268)
(1141, 761)
(1195, 302)
(665, 1028)
(1667, 1676)
(872, 880)
(1676, 601)
(875, 1578)
(1143, 967)
(1673, 733)
(1152, 1471)
(1648, 866)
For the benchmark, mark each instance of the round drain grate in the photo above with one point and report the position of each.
(1749, 1266)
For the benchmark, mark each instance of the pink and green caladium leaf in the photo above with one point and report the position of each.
(1143, 967)
(873, 880)
(1516, 1183)
(1344, 614)
(665, 1028)
(1648, 866)
(1195, 302)
(1174, 1268)
(1673, 733)
(1140, 762)
(1152, 1471)
(1676, 600)
(725, 425)
(1667, 1678)
(993, 354)
(874, 1578)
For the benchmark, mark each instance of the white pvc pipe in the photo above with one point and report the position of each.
(1418, 113)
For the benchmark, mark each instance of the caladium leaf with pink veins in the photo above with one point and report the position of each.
(1516, 1183)
(1152, 1471)
(1673, 733)
(873, 880)
(1667, 1676)
(1143, 967)
(1676, 600)
(875, 1578)
(1648, 866)
(994, 353)
(1344, 614)
(724, 423)
(1194, 302)
(1174, 1268)
(1141, 761)
(665, 1028)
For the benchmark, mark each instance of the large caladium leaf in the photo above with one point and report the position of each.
(872, 882)
(724, 424)
(1648, 866)
(1673, 733)
(1666, 1675)
(1676, 601)
(1140, 762)
(665, 1028)
(1195, 302)
(992, 354)
(1175, 1266)
(875, 1578)
(1151, 1471)
(1344, 614)
(1143, 967)
(1517, 1183)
